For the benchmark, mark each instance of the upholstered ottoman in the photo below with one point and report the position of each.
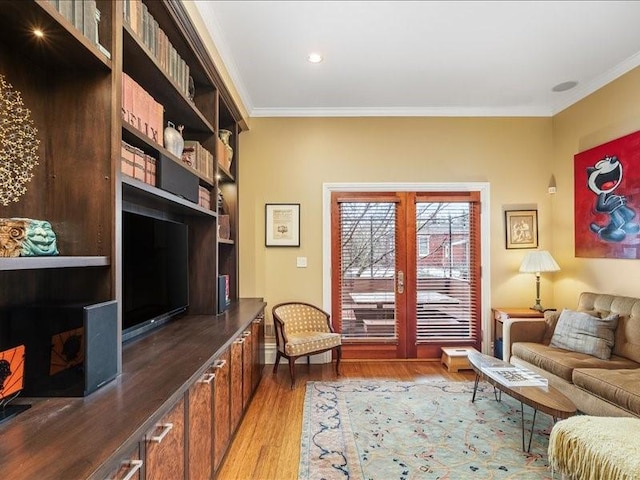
(596, 448)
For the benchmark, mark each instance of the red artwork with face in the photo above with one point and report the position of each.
(607, 199)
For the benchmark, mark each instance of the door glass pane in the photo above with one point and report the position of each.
(444, 299)
(367, 266)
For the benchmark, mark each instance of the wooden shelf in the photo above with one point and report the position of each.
(225, 175)
(140, 65)
(32, 263)
(139, 194)
(63, 47)
(136, 138)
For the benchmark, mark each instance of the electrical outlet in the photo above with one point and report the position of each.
(301, 262)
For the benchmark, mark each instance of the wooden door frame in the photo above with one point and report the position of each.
(485, 225)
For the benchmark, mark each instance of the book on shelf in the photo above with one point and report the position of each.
(147, 29)
(515, 377)
(140, 110)
(127, 164)
(198, 157)
(204, 198)
(137, 164)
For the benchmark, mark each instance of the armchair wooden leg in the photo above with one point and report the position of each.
(338, 357)
(277, 362)
(292, 371)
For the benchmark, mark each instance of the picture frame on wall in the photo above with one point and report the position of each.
(282, 225)
(521, 228)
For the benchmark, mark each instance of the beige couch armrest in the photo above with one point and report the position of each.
(521, 330)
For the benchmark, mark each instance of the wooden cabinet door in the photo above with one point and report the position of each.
(221, 410)
(165, 446)
(236, 383)
(130, 468)
(200, 428)
(247, 367)
(257, 332)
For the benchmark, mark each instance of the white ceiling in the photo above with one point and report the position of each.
(443, 58)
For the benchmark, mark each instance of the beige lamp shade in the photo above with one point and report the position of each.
(538, 261)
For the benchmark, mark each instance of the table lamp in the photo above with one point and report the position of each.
(537, 262)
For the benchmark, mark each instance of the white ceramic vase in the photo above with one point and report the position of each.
(173, 140)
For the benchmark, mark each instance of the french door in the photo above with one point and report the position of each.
(405, 272)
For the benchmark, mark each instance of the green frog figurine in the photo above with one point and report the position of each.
(26, 237)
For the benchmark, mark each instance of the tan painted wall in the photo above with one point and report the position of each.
(288, 160)
(609, 113)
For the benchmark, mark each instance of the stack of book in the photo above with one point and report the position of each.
(137, 164)
(85, 17)
(198, 157)
(137, 16)
(140, 110)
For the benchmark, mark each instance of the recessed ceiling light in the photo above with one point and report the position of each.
(314, 58)
(561, 87)
(38, 33)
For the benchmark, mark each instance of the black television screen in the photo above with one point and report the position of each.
(155, 272)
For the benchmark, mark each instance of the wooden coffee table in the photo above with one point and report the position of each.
(544, 398)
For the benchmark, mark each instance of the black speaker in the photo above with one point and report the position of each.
(70, 349)
(177, 180)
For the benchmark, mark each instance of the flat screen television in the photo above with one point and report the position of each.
(155, 272)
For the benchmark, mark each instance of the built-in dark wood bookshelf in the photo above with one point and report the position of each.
(72, 87)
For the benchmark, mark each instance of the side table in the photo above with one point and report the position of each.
(502, 314)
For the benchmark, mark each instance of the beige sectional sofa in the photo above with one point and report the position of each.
(606, 387)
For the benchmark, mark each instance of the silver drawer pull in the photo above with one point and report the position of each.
(220, 363)
(240, 340)
(246, 334)
(166, 428)
(207, 378)
(134, 466)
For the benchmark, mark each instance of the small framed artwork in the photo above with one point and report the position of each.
(522, 228)
(282, 224)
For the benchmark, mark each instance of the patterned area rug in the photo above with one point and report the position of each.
(405, 430)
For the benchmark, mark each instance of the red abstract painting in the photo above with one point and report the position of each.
(607, 199)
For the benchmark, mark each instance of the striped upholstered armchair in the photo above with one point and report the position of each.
(303, 330)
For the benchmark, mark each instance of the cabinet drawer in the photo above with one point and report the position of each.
(165, 446)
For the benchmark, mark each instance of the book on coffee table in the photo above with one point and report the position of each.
(516, 377)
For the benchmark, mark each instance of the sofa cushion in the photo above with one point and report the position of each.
(584, 333)
(620, 387)
(627, 343)
(561, 362)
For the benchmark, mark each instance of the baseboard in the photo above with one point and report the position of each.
(270, 356)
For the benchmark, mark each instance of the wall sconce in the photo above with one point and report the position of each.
(537, 262)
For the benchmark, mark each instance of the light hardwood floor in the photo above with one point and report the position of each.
(267, 444)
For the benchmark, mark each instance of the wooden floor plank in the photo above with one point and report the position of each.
(267, 444)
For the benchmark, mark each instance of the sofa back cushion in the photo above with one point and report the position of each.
(627, 335)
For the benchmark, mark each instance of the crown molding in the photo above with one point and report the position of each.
(404, 112)
(581, 92)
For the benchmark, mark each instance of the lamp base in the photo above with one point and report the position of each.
(537, 307)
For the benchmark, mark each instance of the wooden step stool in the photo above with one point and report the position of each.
(455, 358)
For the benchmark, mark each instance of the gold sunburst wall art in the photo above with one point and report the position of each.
(18, 144)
